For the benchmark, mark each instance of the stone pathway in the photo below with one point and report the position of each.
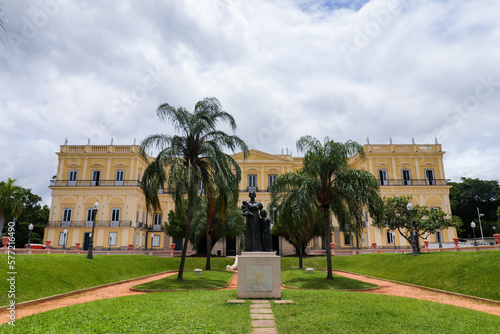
(262, 315)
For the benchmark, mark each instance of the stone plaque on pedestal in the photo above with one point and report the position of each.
(259, 275)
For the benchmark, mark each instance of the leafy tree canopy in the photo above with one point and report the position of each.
(469, 195)
(426, 221)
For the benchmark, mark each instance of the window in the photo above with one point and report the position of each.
(96, 178)
(136, 241)
(155, 241)
(429, 177)
(72, 176)
(157, 222)
(252, 182)
(366, 218)
(113, 236)
(390, 237)
(137, 218)
(347, 238)
(142, 240)
(439, 236)
(63, 239)
(382, 177)
(366, 238)
(66, 217)
(272, 178)
(89, 217)
(119, 175)
(406, 176)
(115, 218)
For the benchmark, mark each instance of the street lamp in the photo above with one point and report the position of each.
(479, 215)
(409, 207)
(65, 238)
(91, 246)
(109, 243)
(473, 225)
(152, 237)
(30, 228)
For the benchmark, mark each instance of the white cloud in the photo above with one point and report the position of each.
(99, 69)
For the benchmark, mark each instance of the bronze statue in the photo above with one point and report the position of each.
(258, 227)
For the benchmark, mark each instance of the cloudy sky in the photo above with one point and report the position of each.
(283, 68)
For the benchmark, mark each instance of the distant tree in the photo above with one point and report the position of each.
(225, 223)
(194, 156)
(332, 185)
(297, 223)
(33, 213)
(469, 195)
(426, 221)
(11, 201)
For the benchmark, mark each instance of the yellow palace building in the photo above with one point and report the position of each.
(111, 174)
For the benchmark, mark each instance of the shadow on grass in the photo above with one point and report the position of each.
(299, 279)
(207, 280)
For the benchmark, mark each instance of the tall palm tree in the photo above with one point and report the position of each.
(11, 200)
(296, 220)
(192, 158)
(330, 183)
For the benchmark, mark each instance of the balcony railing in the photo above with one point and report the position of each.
(413, 182)
(91, 183)
(82, 223)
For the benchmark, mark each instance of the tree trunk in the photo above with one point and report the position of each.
(326, 221)
(300, 256)
(209, 250)
(189, 217)
(2, 220)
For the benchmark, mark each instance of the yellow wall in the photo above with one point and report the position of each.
(129, 198)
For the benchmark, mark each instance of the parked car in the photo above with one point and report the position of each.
(36, 246)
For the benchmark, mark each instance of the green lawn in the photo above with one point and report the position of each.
(470, 273)
(298, 278)
(207, 280)
(47, 275)
(208, 312)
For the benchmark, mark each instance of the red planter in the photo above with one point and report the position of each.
(455, 241)
(130, 247)
(172, 246)
(426, 243)
(77, 245)
(5, 241)
(374, 245)
(497, 238)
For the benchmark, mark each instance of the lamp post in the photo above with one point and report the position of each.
(152, 237)
(409, 207)
(479, 215)
(65, 238)
(473, 225)
(109, 244)
(91, 246)
(30, 228)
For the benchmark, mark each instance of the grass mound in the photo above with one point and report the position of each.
(469, 273)
(298, 278)
(207, 280)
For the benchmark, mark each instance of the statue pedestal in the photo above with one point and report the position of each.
(259, 275)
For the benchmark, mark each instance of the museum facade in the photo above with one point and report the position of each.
(111, 175)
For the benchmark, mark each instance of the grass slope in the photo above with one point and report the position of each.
(470, 273)
(47, 275)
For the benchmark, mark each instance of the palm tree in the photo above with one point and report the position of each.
(11, 201)
(330, 183)
(296, 221)
(192, 158)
